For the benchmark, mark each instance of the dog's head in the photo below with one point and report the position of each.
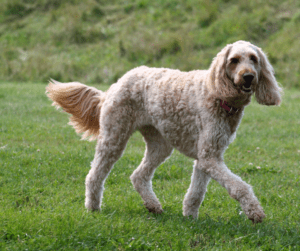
(241, 69)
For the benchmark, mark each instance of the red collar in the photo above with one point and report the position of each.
(229, 109)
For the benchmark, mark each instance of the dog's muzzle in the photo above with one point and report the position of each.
(248, 78)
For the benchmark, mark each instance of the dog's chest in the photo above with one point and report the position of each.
(181, 133)
(177, 120)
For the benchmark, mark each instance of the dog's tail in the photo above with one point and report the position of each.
(82, 101)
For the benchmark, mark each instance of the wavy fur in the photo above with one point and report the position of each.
(268, 91)
(217, 79)
(82, 101)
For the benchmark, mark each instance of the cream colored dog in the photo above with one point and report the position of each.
(196, 112)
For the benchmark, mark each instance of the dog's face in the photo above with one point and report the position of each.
(243, 67)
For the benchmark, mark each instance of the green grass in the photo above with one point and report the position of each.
(43, 165)
(97, 41)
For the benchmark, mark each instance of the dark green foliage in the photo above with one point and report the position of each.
(18, 10)
(96, 11)
(59, 36)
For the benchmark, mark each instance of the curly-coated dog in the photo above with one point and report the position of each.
(196, 112)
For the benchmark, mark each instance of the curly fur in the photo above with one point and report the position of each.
(173, 109)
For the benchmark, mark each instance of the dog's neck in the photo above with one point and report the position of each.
(238, 101)
(228, 108)
(231, 105)
(235, 100)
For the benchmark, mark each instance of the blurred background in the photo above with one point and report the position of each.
(97, 41)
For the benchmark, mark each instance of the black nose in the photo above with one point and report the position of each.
(248, 77)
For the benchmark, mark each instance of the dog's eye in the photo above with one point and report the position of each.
(253, 58)
(234, 60)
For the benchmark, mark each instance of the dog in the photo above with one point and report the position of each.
(196, 112)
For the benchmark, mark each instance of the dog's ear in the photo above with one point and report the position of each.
(217, 79)
(267, 91)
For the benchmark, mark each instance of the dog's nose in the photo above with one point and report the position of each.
(248, 77)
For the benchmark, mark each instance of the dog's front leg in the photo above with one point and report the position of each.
(211, 162)
(196, 192)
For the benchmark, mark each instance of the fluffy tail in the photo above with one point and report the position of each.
(82, 101)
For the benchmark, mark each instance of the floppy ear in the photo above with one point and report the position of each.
(217, 80)
(267, 91)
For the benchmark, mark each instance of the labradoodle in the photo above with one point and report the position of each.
(196, 112)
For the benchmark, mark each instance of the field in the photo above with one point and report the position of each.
(43, 165)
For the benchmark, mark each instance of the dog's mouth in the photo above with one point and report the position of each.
(243, 88)
(246, 89)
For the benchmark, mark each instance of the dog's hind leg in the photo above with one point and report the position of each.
(157, 150)
(116, 127)
(195, 195)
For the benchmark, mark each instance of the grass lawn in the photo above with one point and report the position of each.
(43, 165)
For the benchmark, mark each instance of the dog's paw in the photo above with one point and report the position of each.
(90, 206)
(255, 213)
(192, 213)
(257, 218)
(154, 208)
